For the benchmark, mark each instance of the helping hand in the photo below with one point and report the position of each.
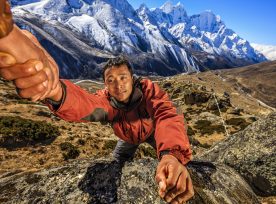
(175, 183)
(23, 46)
(30, 78)
(31, 83)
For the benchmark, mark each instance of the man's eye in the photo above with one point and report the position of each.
(109, 81)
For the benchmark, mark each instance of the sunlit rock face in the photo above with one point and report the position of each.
(252, 153)
(104, 181)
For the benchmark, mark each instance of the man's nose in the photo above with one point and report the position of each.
(119, 84)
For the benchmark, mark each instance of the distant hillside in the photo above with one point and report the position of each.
(258, 80)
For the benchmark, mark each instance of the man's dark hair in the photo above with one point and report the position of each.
(116, 62)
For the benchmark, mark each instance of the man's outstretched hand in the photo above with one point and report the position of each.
(175, 183)
(6, 22)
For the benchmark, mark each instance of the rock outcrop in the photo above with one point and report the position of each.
(252, 152)
(104, 181)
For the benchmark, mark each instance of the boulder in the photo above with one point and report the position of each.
(252, 152)
(104, 181)
(214, 119)
(196, 98)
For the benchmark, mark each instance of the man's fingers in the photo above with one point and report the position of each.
(55, 73)
(52, 65)
(173, 175)
(37, 97)
(6, 60)
(49, 84)
(26, 82)
(51, 62)
(16, 71)
(187, 195)
(178, 189)
(182, 198)
(32, 91)
(161, 180)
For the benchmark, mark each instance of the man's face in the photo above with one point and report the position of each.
(118, 81)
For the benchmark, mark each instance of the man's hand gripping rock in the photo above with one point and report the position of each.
(175, 183)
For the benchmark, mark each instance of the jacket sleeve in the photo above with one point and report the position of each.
(80, 106)
(170, 133)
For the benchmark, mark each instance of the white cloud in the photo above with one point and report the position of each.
(269, 51)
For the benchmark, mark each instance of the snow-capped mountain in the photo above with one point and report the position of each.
(206, 32)
(269, 51)
(161, 41)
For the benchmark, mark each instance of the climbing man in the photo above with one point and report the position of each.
(137, 109)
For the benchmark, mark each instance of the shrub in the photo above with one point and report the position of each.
(190, 131)
(17, 129)
(43, 113)
(219, 128)
(70, 151)
(205, 127)
(238, 122)
(205, 145)
(81, 142)
(109, 144)
(147, 151)
(202, 124)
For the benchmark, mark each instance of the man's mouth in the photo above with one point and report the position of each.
(121, 92)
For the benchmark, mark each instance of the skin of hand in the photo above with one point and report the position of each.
(51, 71)
(31, 49)
(6, 22)
(23, 46)
(29, 77)
(173, 178)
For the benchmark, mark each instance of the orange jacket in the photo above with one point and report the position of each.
(149, 110)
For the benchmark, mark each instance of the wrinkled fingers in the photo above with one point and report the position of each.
(17, 71)
(31, 91)
(179, 188)
(27, 82)
(49, 83)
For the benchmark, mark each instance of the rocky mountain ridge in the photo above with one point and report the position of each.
(162, 41)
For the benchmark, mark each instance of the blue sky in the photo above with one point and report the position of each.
(253, 20)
